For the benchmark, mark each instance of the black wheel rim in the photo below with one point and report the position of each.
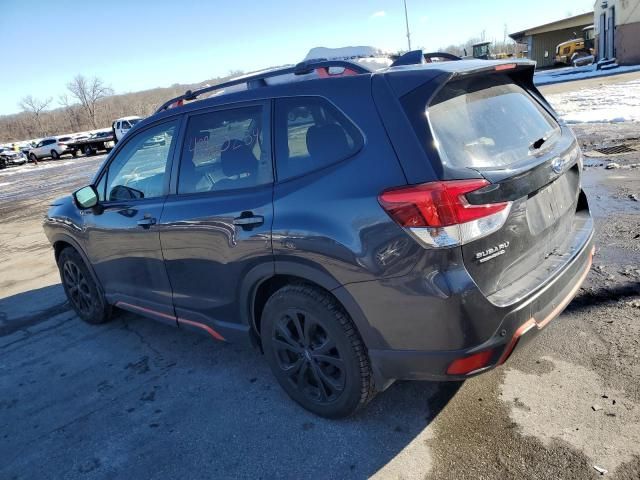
(77, 287)
(308, 356)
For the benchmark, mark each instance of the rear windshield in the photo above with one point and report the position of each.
(488, 121)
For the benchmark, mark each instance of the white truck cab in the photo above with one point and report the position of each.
(122, 125)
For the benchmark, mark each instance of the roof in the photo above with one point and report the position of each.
(569, 22)
(255, 90)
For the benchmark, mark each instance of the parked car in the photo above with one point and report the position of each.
(122, 125)
(53, 147)
(418, 222)
(8, 156)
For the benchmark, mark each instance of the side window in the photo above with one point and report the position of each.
(125, 125)
(39, 144)
(225, 150)
(311, 134)
(139, 168)
(49, 142)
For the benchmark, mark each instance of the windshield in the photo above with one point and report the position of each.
(134, 121)
(488, 122)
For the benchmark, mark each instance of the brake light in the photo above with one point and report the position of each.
(466, 365)
(439, 215)
(505, 66)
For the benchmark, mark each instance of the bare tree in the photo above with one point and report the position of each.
(72, 111)
(89, 92)
(34, 107)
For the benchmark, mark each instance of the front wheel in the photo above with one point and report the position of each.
(81, 290)
(33, 157)
(88, 151)
(315, 351)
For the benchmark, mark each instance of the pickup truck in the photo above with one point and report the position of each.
(103, 140)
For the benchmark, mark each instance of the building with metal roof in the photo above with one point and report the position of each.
(541, 41)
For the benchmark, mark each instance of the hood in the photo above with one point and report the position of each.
(10, 153)
(61, 201)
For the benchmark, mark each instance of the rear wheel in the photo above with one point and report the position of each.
(315, 351)
(80, 288)
(88, 151)
(55, 155)
(3, 163)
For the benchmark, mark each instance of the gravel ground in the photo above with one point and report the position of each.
(137, 399)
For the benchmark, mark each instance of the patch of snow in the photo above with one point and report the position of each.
(568, 74)
(343, 53)
(610, 103)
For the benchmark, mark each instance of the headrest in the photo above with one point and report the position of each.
(327, 143)
(237, 158)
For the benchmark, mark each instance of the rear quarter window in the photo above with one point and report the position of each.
(311, 134)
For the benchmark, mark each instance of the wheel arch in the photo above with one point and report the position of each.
(62, 241)
(261, 283)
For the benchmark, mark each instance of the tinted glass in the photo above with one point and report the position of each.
(138, 170)
(311, 134)
(486, 122)
(225, 150)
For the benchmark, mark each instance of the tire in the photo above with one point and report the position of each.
(88, 151)
(3, 163)
(55, 155)
(74, 154)
(315, 351)
(32, 157)
(82, 292)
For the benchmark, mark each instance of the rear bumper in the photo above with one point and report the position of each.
(505, 327)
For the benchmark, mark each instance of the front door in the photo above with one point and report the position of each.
(216, 226)
(123, 243)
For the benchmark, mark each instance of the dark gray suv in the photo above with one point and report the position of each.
(416, 222)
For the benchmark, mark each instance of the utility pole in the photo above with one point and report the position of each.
(406, 19)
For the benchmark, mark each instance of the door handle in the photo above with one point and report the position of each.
(248, 220)
(147, 222)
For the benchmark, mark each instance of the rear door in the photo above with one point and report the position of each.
(487, 125)
(216, 226)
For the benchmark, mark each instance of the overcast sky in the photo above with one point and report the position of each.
(142, 44)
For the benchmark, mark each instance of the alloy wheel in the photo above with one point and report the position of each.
(77, 288)
(308, 356)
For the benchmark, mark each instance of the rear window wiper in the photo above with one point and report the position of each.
(537, 144)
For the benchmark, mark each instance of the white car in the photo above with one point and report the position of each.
(122, 125)
(52, 147)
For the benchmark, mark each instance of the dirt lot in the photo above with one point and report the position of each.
(137, 399)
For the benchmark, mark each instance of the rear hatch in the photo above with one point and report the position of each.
(494, 125)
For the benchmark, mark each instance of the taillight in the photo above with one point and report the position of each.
(439, 215)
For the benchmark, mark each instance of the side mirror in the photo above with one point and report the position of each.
(86, 197)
